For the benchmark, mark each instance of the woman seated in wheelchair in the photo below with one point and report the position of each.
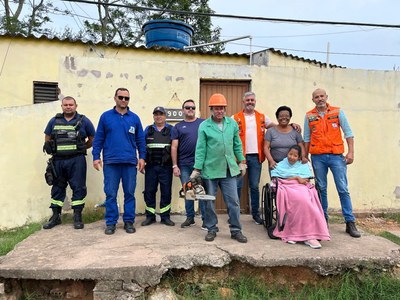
(300, 217)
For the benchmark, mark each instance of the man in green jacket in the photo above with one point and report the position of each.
(218, 150)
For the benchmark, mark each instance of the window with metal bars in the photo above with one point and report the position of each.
(45, 91)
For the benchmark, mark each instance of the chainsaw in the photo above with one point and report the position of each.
(193, 190)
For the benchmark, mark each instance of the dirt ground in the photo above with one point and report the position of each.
(377, 225)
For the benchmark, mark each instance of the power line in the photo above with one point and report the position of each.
(321, 52)
(84, 11)
(70, 14)
(76, 22)
(246, 18)
(311, 34)
(181, 12)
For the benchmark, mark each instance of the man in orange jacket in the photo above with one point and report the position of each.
(323, 139)
(252, 125)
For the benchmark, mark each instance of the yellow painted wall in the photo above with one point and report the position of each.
(370, 99)
(371, 102)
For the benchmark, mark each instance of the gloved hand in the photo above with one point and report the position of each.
(195, 174)
(243, 168)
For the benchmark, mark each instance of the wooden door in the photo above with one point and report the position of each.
(233, 92)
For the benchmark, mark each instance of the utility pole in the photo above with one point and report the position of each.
(327, 55)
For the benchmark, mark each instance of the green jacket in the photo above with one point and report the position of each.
(217, 151)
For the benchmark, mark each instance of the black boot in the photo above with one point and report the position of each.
(78, 224)
(55, 218)
(352, 230)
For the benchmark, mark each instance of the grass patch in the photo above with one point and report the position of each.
(392, 216)
(391, 237)
(89, 215)
(349, 286)
(9, 238)
(335, 219)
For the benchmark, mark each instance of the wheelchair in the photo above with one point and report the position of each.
(269, 212)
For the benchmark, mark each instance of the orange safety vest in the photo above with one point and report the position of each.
(325, 134)
(260, 122)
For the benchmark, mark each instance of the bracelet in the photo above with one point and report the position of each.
(174, 166)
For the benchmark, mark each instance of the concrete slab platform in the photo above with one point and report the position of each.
(395, 232)
(143, 257)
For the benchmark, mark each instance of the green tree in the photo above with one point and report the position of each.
(21, 17)
(124, 24)
(114, 24)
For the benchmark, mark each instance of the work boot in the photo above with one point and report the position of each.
(78, 224)
(55, 219)
(110, 229)
(128, 226)
(188, 222)
(210, 236)
(148, 221)
(352, 230)
(239, 237)
(167, 221)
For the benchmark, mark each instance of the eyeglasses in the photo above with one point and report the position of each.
(123, 98)
(190, 107)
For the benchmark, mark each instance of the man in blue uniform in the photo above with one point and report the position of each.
(158, 168)
(67, 136)
(119, 136)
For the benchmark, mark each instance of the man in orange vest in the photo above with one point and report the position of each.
(323, 139)
(252, 125)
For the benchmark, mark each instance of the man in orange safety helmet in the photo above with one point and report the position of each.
(218, 150)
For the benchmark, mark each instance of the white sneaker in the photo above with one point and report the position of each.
(203, 227)
(313, 244)
(291, 242)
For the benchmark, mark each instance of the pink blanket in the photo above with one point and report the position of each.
(304, 215)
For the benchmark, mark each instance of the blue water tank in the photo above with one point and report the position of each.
(167, 33)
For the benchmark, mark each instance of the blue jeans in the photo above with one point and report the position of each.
(113, 173)
(337, 164)
(154, 175)
(254, 173)
(228, 187)
(189, 205)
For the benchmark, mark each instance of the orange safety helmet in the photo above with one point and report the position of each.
(217, 100)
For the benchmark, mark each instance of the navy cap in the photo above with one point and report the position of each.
(159, 109)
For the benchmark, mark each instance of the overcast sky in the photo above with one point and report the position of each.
(306, 40)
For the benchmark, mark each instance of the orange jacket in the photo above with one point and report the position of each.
(326, 137)
(260, 121)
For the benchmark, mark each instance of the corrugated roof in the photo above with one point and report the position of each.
(295, 57)
(167, 49)
(120, 45)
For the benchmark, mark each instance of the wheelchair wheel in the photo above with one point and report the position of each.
(320, 198)
(268, 209)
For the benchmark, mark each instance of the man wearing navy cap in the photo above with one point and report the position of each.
(158, 169)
